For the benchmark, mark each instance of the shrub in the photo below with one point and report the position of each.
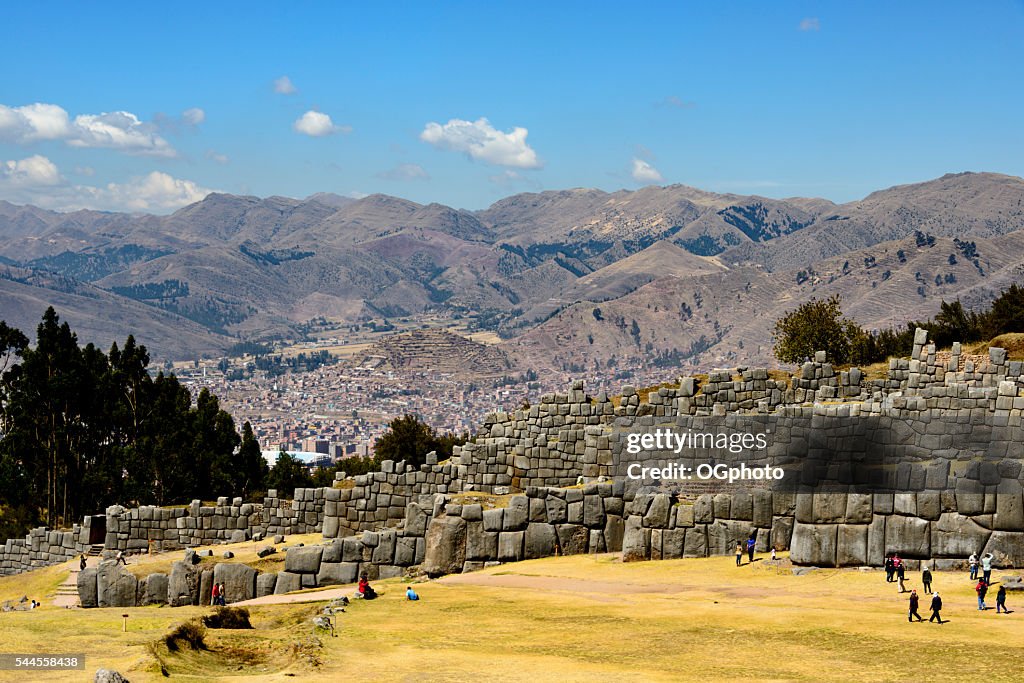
(228, 617)
(189, 634)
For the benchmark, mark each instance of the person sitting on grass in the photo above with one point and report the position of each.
(410, 594)
(365, 589)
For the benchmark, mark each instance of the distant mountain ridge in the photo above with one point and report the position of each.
(532, 266)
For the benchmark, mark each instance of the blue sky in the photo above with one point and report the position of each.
(464, 103)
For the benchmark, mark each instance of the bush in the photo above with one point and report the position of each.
(817, 325)
(189, 634)
(228, 617)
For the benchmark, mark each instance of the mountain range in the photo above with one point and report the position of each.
(568, 278)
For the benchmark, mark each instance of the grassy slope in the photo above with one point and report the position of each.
(568, 619)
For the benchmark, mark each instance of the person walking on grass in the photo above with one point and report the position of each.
(120, 558)
(1001, 600)
(926, 579)
(773, 554)
(981, 589)
(936, 608)
(889, 568)
(739, 554)
(901, 574)
(750, 549)
(914, 602)
(972, 562)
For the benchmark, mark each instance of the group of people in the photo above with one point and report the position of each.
(366, 592)
(219, 595)
(895, 570)
(749, 545)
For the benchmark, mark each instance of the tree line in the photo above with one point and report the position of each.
(819, 325)
(81, 429)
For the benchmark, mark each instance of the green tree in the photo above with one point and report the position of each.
(817, 325)
(288, 474)
(252, 463)
(1006, 313)
(410, 439)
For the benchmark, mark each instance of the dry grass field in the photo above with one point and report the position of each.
(583, 618)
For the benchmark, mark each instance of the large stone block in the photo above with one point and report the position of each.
(658, 513)
(183, 585)
(516, 513)
(416, 518)
(87, 587)
(814, 544)
(332, 552)
(1009, 506)
(481, 545)
(829, 508)
(852, 545)
(782, 533)
(761, 510)
(636, 540)
(305, 560)
(332, 573)
(614, 529)
(876, 541)
(156, 589)
(540, 541)
(695, 544)
(957, 536)
(115, 586)
(446, 546)
(239, 581)
(1007, 548)
(672, 541)
(573, 539)
(205, 586)
(723, 535)
(265, 584)
(858, 508)
(704, 509)
(287, 582)
(908, 536)
(510, 546)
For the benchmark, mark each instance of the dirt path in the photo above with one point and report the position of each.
(314, 596)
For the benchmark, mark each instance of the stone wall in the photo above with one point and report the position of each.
(42, 548)
(953, 424)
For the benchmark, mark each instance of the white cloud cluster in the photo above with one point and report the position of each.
(37, 180)
(193, 116)
(810, 24)
(483, 142)
(317, 124)
(120, 130)
(35, 171)
(643, 172)
(405, 172)
(284, 86)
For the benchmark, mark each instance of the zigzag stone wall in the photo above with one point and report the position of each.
(951, 426)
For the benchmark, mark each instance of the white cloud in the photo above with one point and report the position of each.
(317, 124)
(482, 142)
(36, 180)
(35, 171)
(284, 86)
(193, 116)
(810, 24)
(405, 172)
(217, 157)
(119, 130)
(643, 172)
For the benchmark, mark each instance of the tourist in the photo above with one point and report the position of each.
(926, 579)
(773, 553)
(215, 595)
(914, 600)
(751, 542)
(1001, 600)
(901, 574)
(223, 594)
(986, 567)
(890, 569)
(972, 561)
(739, 554)
(410, 594)
(981, 589)
(120, 558)
(936, 608)
(365, 589)
(82, 563)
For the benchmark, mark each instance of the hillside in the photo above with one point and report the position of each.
(531, 266)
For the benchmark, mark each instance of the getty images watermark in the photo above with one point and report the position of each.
(690, 447)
